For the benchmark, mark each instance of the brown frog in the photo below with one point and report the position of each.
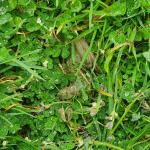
(72, 90)
(81, 48)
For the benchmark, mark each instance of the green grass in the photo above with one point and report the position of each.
(74, 74)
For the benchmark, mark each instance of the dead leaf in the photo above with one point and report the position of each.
(69, 114)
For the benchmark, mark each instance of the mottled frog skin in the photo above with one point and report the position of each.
(81, 47)
(74, 89)
(69, 92)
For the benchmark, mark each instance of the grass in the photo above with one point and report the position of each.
(74, 75)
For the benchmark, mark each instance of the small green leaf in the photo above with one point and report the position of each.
(4, 6)
(30, 8)
(55, 52)
(32, 25)
(23, 2)
(3, 132)
(117, 37)
(65, 53)
(12, 4)
(146, 33)
(127, 91)
(18, 22)
(5, 18)
(51, 123)
(135, 117)
(147, 55)
(68, 146)
(76, 6)
(145, 2)
(26, 146)
(4, 54)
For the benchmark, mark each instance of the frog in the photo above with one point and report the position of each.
(81, 46)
